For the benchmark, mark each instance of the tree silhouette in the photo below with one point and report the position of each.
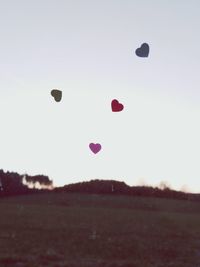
(11, 183)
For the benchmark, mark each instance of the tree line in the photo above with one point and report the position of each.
(12, 183)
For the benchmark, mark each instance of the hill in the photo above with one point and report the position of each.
(120, 188)
(12, 183)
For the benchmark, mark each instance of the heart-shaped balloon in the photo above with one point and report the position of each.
(57, 94)
(116, 106)
(143, 50)
(95, 148)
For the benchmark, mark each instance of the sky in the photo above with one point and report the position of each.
(87, 50)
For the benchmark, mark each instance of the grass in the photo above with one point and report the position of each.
(75, 230)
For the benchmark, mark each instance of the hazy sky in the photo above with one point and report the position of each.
(87, 50)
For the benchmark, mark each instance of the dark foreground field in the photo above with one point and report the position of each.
(74, 230)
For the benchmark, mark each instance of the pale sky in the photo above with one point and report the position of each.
(87, 50)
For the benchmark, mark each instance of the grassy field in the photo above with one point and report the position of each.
(74, 230)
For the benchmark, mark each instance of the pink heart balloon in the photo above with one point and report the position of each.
(95, 148)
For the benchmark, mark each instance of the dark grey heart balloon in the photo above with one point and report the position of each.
(57, 94)
(143, 50)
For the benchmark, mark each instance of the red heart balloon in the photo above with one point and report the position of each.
(116, 106)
